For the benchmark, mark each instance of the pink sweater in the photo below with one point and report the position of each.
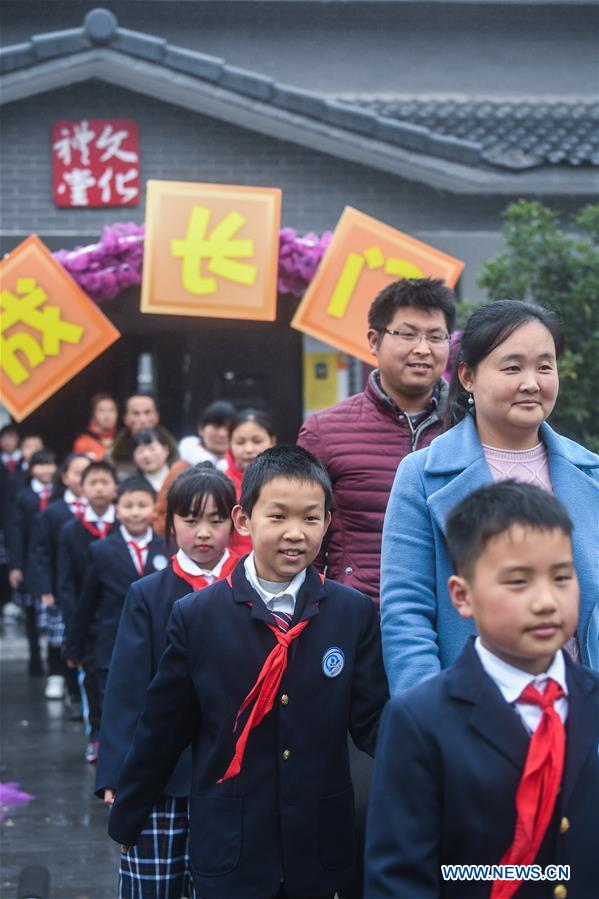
(528, 466)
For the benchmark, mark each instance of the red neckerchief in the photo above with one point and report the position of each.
(198, 581)
(539, 784)
(77, 508)
(264, 691)
(93, 529)
(139, 554)
(44, 496)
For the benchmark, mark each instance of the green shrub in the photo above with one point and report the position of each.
(558, 268)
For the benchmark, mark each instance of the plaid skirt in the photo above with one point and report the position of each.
(50, 620)
(158, 866)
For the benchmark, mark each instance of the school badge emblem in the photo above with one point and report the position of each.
(159, 562)
(333, 661)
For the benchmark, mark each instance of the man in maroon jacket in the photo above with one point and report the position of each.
(363, 439)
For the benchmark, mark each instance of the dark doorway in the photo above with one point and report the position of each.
(193, 361)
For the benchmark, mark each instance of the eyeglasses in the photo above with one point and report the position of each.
(435, 338)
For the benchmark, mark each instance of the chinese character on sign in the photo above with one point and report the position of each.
(217, 247)
(363, 257)
(211, 250)
(95, 163)
(29, 307)
(49, 328)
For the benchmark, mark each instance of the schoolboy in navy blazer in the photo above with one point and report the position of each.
(150, 601)
(74, 547)
(110, 572)
(452, 750)
(286, 820)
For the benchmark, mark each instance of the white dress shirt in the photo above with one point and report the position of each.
(75, 502)
(281, 600)
(190, 567)
(512, 681)
(93, 517)
(142, 541)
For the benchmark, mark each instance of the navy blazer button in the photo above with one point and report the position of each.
(560, 892)
(284, 699)
(286, 754)
(564, 825)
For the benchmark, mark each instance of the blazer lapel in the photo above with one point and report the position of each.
(582, 725)
(123, 551)
(456, 457)
(492, 717)
(442, 501)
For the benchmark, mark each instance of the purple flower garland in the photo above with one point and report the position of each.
(106, 268)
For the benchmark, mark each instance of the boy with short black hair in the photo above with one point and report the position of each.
(493, 762)
(264, 673)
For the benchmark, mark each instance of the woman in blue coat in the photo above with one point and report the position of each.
(504, 387)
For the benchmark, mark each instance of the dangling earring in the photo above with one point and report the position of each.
(470, 400)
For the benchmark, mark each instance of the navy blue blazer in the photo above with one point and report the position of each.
(140, 642)
(450, 755)
(46, 535)
(73, 558)
(110, 573)
(25, 508)
(290, 811)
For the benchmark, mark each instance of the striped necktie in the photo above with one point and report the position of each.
(282, 620)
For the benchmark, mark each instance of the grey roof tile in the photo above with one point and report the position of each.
(352, 117)
(510, 135)
(59, 43)
(18, 56)
(198, 64)
(246, 82)
(296, 100)
(138, 44)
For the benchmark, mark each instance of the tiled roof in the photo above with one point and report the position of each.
(511, 135)
(478, 136)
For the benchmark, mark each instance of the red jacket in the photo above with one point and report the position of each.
(361, 441)
(238, 544)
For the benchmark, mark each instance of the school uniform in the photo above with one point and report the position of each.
(16, 466)
(140, 642)
(29, 500)
(110, 573)
(45, 542)
(76, 538)
(450, 757)
(288, 815)
(27, 503)
(8, 487)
